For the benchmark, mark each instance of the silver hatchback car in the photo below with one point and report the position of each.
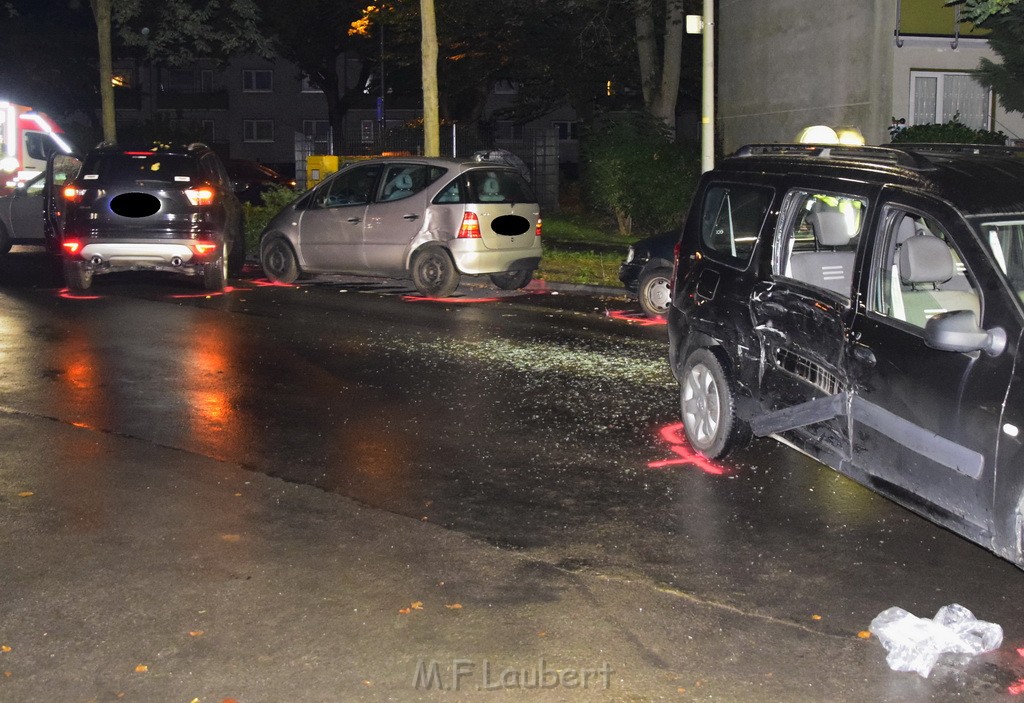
(428, 219)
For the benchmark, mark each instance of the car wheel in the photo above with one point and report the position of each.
(215, 273)
(708, 400)
(279, 261)
(655, 293)
(434, 273)
(77, 276)
(512, 280)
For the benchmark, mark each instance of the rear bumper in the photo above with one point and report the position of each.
(472, 258)
(167, 255)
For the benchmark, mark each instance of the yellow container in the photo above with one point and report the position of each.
(319, 168)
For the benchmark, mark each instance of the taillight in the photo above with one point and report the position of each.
(537, 231)
(72, 246)
(200, 197)
(470, 228)
(203, 248)
(73, 194)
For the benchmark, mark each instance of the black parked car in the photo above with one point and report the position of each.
(162, 208)
(251, 179)
(865, 305)
(647, 271)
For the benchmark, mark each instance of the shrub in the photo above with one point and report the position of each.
(634, 171)
(952, 132)
(258, 216)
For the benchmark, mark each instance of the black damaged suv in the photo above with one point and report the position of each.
(161, 208)
(865, 305)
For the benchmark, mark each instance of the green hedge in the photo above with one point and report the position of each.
(634, 171)
(258, 216)
(952, 132)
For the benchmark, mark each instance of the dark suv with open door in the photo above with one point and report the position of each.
(161, 208)
(864, 305)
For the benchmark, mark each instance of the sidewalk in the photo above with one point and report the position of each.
(141, 573)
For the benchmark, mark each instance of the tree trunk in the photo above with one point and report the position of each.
(101, 12)
(431, 125)
(660, 79)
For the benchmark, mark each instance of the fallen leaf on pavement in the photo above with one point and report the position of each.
(864, 635)
(4, 648)
(26, 494)
(231, 538)
(195, 633)
(453, 606)
(405, 611)
(142, 668)
(416, 605)
(815, 617)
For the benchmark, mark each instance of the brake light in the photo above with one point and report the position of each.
(204, 248)
(200, 197)
(470, 228)
(73, 194)
(72, 246)
(537, 231)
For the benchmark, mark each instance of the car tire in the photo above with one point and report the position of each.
(278, 260)
(434, 273)
(77, 277)
(708, 404)
(654, 293)
(512, 280)
(215, 273)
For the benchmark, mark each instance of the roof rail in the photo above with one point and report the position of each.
(977, 149)
(874, 154)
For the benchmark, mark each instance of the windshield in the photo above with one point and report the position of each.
(107, 167)
(1005, 239)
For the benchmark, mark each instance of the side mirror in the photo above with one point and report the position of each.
(958, 331)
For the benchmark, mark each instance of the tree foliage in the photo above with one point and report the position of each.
(979, 11)
(952, 132)
(1006, 79)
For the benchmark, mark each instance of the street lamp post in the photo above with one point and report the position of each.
(705, 25)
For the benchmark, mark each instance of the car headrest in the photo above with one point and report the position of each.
(829, 228)
(403, 182)
(925, 259)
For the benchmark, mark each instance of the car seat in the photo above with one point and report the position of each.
(925, 263)
(828, 266)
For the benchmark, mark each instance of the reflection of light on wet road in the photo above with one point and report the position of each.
(210, 383)
(685, 456)
(421, 299)
(207, 294)
(636, 318)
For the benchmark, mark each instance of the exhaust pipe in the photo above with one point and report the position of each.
(176, 261)
(96, 260)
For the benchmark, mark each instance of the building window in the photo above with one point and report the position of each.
(566, 130)
(318, 135)
(180, 80)
(123, 78)
(205, 81)
(258, 130)
(257, 81)
(508, 130)
(366, 131)
(504, 87)
(937, 97)
(307, 86)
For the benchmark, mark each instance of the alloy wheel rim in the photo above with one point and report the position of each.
(702, 412)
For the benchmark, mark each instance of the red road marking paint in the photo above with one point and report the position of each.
(673, 435)
(421, 299)
(1016, 688)
(210, 294)
(267, 283)
(638, 318)
(68, 295)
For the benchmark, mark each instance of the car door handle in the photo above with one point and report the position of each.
(355, 220)
(411, 217)
(864, 354)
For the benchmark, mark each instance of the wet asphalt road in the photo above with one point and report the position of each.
(541, 423)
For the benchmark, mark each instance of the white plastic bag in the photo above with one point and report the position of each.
(915, 644)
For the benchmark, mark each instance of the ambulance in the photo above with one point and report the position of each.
(27, 138)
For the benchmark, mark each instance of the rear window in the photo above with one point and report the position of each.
(731, 220)
(140, 166)
(482, 186)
